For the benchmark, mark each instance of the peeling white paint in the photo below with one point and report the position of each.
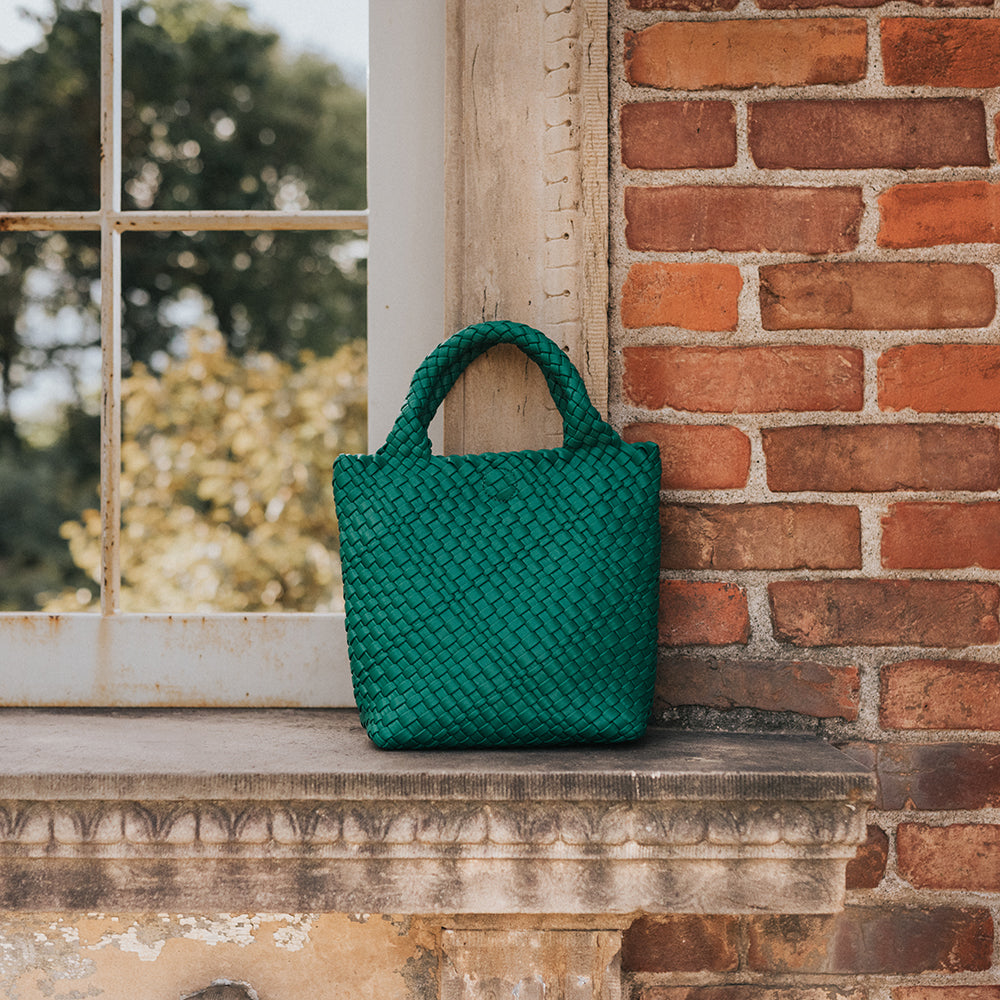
(294, 936)
(129, 941)
(240, 929)
(69, 934)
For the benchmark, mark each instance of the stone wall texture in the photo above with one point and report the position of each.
(805, 245)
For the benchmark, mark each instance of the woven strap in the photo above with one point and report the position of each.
(582, 424)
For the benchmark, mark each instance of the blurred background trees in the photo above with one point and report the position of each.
(217, 115)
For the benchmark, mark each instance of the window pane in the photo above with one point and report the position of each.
(220, 112)
(50, 363)
(49, 111)
(238, 399)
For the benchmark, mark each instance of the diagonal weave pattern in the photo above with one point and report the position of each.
(501, 599)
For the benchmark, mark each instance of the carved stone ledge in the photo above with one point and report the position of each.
(297, 810)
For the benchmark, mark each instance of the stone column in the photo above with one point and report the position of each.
(497, 963)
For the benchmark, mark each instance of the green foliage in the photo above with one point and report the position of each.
(38, 486)
(226, 492)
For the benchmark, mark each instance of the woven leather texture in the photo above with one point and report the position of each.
(502, 599)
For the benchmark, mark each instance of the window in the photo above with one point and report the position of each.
(116, 658)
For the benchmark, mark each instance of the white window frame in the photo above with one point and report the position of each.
(261, 660)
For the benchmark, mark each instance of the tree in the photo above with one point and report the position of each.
(216, 115)
(226, 472)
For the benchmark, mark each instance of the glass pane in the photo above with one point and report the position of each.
(224, 111)
(50, 85)
(241, 391)
(50, 363)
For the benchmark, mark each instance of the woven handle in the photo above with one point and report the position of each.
(582, 424)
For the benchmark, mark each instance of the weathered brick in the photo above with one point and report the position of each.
(856, 612)
(793, 219)
(941, 52)
(822, 690)
(697, 55)
(946, 993)
(760, 536)
(682, 943)
(857, 4)
(669, 135)
(712, 457)
(867, 868)
(873, 940)
(744, 379)
(703, 613)
(878, 296)
(743, 991)
(940, 378)
(938, 776)
(881, 132)
(929, 215)
(960, 856)
(941, 535)
(691, 296)
(688, 5)
(872, 458)
(941, 694)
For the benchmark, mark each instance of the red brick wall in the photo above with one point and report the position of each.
(804, 254)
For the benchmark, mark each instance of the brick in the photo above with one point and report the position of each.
(941, 694)
(820, 690)
(938, 776)
(940, 378)
(854, 135)
(743, 991)
(946, 993)
(929, 215)
(872, 458)
(941, 52)
(876, 296)
(857, 612)
(867, 868)
(960, 856)
(670, 135)
(690, 296)
(714, 457)
(682, 943)
(689, 5)
(857, 4)
(697, 55)
(941, 535)
(760, 536)
(873, 940)
(744, 379)
(696, 613)
(792, 219)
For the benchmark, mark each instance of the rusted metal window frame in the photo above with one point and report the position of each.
(120, 659)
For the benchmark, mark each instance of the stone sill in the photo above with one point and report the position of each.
(296, 810)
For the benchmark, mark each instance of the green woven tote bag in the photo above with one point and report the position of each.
(504, 599)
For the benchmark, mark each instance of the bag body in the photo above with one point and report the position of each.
(501, 599)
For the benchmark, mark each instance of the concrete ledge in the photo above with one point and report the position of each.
(298, 810)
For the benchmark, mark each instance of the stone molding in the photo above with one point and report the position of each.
(430, 829)
(296, 811)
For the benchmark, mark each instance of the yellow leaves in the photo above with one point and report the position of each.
(226, 469)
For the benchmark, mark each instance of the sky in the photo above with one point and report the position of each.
(335, 28)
